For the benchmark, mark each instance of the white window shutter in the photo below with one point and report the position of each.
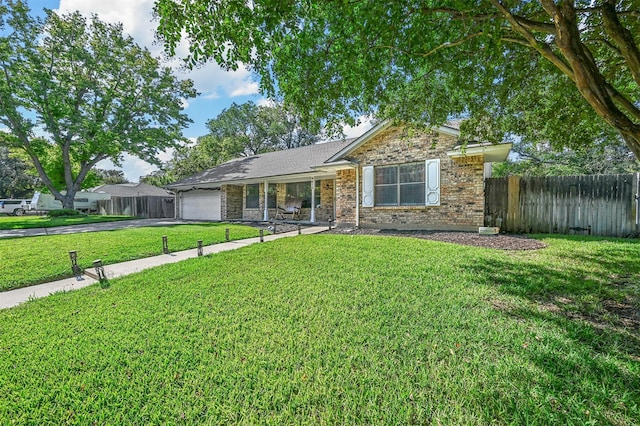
(432, 182)
(367, 186)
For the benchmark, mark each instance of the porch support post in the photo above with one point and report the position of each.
(265, 216)
(313, 198)
(357, 196)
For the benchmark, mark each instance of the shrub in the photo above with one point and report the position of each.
(64, 212)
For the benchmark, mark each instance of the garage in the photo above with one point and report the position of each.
(201, 205)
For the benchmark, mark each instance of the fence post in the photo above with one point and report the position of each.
(165, 245)
(199, 247)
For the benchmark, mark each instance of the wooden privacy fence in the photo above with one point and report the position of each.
(142, 206)
(597, 204)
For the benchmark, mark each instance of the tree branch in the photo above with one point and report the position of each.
(451, 44)
(622, 38)
(542, 48)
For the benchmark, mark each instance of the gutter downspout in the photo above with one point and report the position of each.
(357, 196)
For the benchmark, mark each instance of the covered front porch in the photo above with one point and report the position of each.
(293, 199)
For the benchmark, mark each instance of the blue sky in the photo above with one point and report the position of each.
(218, 89)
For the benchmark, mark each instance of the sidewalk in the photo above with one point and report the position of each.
(21, 295)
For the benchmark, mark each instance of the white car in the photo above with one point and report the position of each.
(14, 207)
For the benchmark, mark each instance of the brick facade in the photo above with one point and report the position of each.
(461, 184)
(231, 202)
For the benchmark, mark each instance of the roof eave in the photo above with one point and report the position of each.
(492, 153)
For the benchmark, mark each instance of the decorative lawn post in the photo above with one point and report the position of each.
(274, 228)
(299, 229)
(199, 247)
(73, 255)
(330, 220)
(262, 235)
(102, 277)
(226, 234)
(165, 245)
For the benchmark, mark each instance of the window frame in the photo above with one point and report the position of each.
(381, 184)
(249, 196)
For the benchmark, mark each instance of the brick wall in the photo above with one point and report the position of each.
(346, 197)
(461, 185)
(231, 202)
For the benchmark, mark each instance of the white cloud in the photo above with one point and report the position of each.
(247, 89)
(135, 16)
(210, 80)
(265, 102)
(364, 123)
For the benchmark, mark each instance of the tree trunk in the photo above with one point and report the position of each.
(632, 139)
(68, 200)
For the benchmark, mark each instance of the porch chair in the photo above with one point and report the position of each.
(292, 210)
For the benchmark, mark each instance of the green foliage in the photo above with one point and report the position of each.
(110, 177)
(367, 330)
(240, 130)
(64, 213)
(89, 89)
(542, 160)
(23, 263)
(563, 72)
(16, 177)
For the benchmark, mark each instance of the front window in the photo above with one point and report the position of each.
(400, 185)
(252, 199)
(272, 196)
(299, 194)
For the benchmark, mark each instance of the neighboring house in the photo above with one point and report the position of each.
(385, 178)
(136, 199)
(132, 190)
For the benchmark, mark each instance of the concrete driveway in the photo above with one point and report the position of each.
(91, 227)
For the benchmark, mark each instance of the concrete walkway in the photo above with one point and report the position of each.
(15, 297)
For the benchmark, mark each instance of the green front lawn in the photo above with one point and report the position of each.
(34, 260)
(25, 222)
(333, 329)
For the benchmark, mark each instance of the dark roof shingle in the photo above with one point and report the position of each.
(278, 163)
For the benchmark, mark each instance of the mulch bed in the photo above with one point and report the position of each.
(500, 241)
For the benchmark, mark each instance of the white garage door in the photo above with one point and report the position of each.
(201, 205)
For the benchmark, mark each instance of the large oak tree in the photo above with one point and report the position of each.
(567, 72)
(82, 91)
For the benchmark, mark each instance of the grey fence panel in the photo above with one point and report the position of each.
(143, 206)
(598, 204)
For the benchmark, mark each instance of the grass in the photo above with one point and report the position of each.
(33, 260)
(27, 222)
(332, 329)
